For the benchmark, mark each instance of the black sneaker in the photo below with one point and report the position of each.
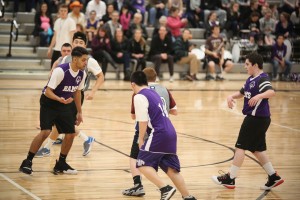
(63, 167)
(219, 78)
(224, 180)
(190, 197)
(167, 192)
(209, 77)
(26, 167)
(273, 181)
(137, 190)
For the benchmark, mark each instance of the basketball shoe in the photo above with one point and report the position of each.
(26, 167)
(190, 197)
(63, 167)
(167, 192)
(137, 190)
(87, 146)
(273, 181)
(42, 152)
(225, 180)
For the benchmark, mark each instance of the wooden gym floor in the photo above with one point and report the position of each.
(207, 131)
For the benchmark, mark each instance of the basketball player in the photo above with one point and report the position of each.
(252, 136)
(159, 150)
(79, 40)
(64, 86)
(170, 106)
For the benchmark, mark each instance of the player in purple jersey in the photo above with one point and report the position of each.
(64, 86)
(159, 149)
(252, 136)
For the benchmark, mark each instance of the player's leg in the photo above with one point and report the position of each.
(45, 151)
(87, 141)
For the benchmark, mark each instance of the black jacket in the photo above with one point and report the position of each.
(181, 49)
(159, 46)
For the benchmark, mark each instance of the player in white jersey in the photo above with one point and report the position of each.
(79, 39)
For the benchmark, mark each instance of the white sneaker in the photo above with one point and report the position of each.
(171, 79)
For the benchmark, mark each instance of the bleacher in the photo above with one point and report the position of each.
(28, 62)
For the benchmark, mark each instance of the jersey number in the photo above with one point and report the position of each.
(163, 108)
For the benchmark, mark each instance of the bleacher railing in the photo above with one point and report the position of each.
(13, 35)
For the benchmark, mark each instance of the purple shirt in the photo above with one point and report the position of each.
(69, 84)
(253, 87)
(163, 136)
(278, 51)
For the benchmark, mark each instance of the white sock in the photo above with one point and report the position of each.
(83, 136)
(61, 136)
(269, 168)
(233, 171)
(49, 143)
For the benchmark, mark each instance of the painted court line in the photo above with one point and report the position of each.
(20, 187)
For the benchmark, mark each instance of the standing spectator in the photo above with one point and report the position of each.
(76, 15)
(112, 25)
(284, 26)
(137, 24)
(43, 25)
(267, 26)
(160, 51)
(278, 59)
(64, 28)
(182, 55)
(157, 8)
(120, 52)
(101, 49)
(137, 49)
(92, 25)
(125, 18)
(98, 5)
(175, 23)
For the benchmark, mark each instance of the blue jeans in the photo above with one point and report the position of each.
(286, 70)
(153, 13)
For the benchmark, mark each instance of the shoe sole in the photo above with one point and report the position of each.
(215, 180)
(275, 185)
(21, 170)
(64, 172)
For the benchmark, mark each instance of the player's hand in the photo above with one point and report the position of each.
(89, 96)
(49, 53)
(69, 100)
(230, 102)
(253, 101)
(79, 119)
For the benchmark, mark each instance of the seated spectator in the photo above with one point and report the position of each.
(137, 49)
(174, 23)
(288, 6)
(208, 6)
(233, 18)
(139, 6)
(43, 26)
(284, 26)
(112, 25)
(176, 4)
(75, 14)
(160, 51)
(125, 18)
(278, 59)
(108, 16)
(137, 24)
(157, 8)
(194, 13)
(101, 49)
(253, 25)
(295, 16)
(212, 20)
(118, 4)
(275, 14)
(162, 22)
(120, 52)
(267, 27)
(97, 5)
(247, 10)
(92, 25)
(214, 51)
(80, 28)
(182, 54)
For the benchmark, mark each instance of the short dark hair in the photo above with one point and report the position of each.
(139, 78)
(279, 35)
(67, 45)
(79, 51)
(80, 35)
(255, 58)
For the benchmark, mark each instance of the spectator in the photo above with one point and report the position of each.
(137, 24)
(99, 6)
(43, 25)
(175, 23)
(214, 50)
(267, 26)
(182, 54)
(160, 51)
(139, 6)
(253, 25)
(92, 24)
(208, 6)
(233, 18)
(284, 26)
(120, 52)
(137, 49)
(247, 10)
(278, 59)
(194, 13)
(118, 4)
(112, 25)
(76, 15)
(176, 4)
(157, 8)
(101, 49)
(295, 16)
(64, 28)
(275, 14)
(108, 16)
(162, 22)
(288, 6)
(125, 18)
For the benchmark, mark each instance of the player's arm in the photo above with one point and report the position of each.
(265, 89)
(236, 95)
(173, 107)
(132, 107)
(141, 105)
(77, 100)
